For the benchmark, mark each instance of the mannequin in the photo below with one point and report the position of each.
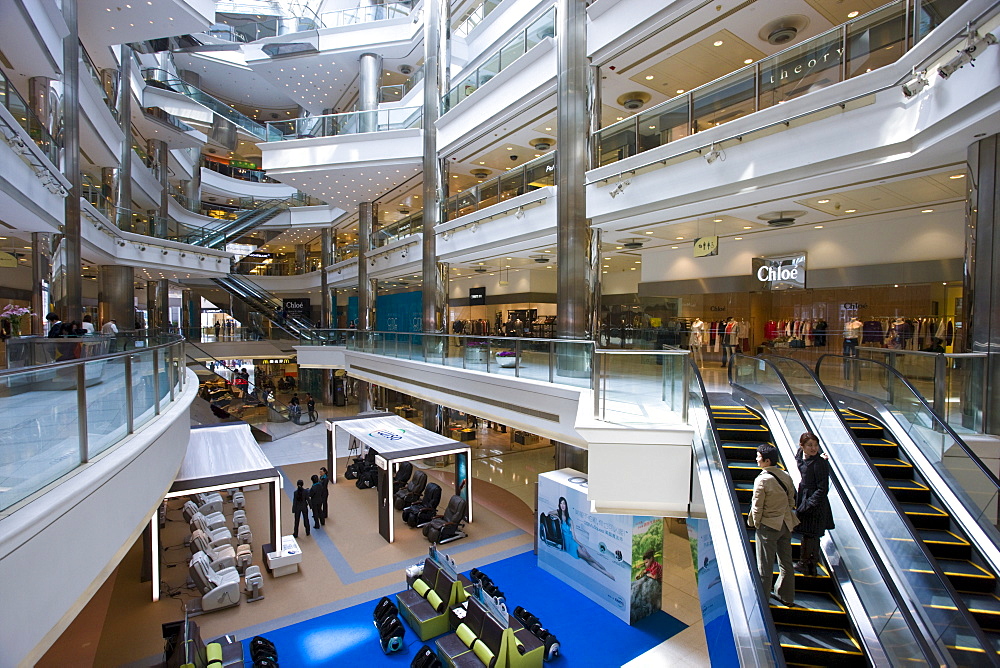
(697, 340)
(852, 335)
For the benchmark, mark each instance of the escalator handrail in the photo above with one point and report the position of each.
(758, 586)
(935, 568)
(923, 402)
(226, 283)
(298, 321)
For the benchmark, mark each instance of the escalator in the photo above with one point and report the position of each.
(958, 558)
(818, 631)
(233, 230)
(262, 301)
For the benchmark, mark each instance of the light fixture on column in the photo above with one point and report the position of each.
(619, 187)
(164, 251)
(917, 83)
(714, 154)
(520, 213)
(973, 49)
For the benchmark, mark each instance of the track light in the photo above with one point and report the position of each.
(164, 252)
(714, 154)
(142, 248)
(520, 213)
(915, 84)
(184, 254)
(973, 49)
(619, 187)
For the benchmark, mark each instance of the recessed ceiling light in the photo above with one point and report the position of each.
(851, 15)
(748, 61)
(675, 247)
(738, 238)
(548, 129)
(680, 238)
(716, 220)
(957, 176)
(747, 227)
(649, 77)
(818, 227)
(680, 90)
(927, 211)
(620, 118)
(650, 232)
(717, 43)
(822, 201)
(850, 210)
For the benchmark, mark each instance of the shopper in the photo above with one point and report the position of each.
(813, 509)
(324, 477)
(311, 407)
(772, 515)
(300, 507)
(294, 408)
(55, 325)
(109, 328)
(316, 493)
(88, 324)
(218, 329)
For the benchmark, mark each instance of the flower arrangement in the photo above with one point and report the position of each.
(14, 314)
(506, 353)
(476, 343)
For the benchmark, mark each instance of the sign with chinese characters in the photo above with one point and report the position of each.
(706, 246)
(784, 272)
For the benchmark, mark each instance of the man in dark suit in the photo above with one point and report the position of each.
(55, 325)
(300, 507)
(316, 494)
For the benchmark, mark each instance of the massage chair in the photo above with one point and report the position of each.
(403, 473)
(214, 518)
(408, 495)
(222, 556)
(424, 510)
(219, 589)
(360, 465)
(219, 535)
(448, 527)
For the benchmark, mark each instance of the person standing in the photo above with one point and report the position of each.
(311, 407)
(218, 329)
(815, 515)
(300, 507)
(324, 477)
(55, 325)
(771, 514)
(316, 493)
(87, 325)
(109, 328)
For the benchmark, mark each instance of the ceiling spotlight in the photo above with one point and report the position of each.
(714, 154)
(184, 254)
(619, 187)
(916, 84)
(164, 251)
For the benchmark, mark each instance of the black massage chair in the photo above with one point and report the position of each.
(402, 476)
(408, 495)
(448, 527)
(424, 510)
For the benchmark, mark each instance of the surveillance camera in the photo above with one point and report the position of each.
(513, 158)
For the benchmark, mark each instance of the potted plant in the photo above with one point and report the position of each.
(476, 351)
(14, 315)
(507, 359)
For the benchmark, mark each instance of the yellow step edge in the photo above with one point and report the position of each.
(939, 513)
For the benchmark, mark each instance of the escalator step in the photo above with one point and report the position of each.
(741, 451)
(968, 576)
(812, 609)
(926, 516)
(818, 646)
(986, 609)
(850, 416)
(892, 467)
(742, 432)
(740, 471)
(945, 544)
(907, 491)
(866, 429)
(879, 447)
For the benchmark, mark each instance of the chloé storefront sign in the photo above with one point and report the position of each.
(784, 272)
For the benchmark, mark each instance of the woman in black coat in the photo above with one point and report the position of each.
(813, 506)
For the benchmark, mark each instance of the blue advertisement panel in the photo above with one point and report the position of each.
(615, 560)
(715, 614)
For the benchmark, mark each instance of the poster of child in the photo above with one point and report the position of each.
(647, 568)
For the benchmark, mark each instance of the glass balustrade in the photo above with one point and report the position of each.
(864, 44)
(356, 122)
(532, 175)
(95, 75)
(58, 416)
(241, 173)
(404, 227)
(798, 398)
(517, 46)
(26, 118)
(287, 25)
(472, 19)
(641, 387)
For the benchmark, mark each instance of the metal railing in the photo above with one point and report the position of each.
(241, 173)
(863, 44)
(397, 92)
(354, 122)
(474, 17)
(26, 118)
(532, 175)
(288, 25)
(520, 44)
(105, 398)
(404, 227)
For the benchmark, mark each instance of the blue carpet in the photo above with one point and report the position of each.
(590, 636)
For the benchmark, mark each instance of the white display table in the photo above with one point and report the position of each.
(285, 561)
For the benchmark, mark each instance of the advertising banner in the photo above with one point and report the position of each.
(715, 614)
(296, 306)
(614, 560)
(784, 272)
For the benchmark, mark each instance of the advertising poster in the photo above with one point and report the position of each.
(615, 560)
(718, 630)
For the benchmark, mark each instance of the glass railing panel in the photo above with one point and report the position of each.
(615, 142)
(814, 64)
(107, 405)
(876, 39)
(931, 13)
(544, 27)
(27, 119)
(143, 389)
(489, 193)
(641, 387)
(489, 69)
(540, 174)
(725, 100)
(465, 203)
(393, 93)
(355, 122)
(965, 391)
(511, 51)
(512, 184)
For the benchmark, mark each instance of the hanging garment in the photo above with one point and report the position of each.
(872, 332)
(820, 333)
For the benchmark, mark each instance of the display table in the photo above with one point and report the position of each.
(463, 434)
(405, 411)
(286, 560)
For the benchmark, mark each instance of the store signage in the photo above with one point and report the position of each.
(706, 246)
(717, 309)
(211, 310)
(477, 296)
(853, 306)
(785, 272)
(295, 306)
(7, 261)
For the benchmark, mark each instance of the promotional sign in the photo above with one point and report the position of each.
(784, 272)
(706, 246)
(715, 614)
(477, 296)
(7, 261)
(295, 306)
(614, 560)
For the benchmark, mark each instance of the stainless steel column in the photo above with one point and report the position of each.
(981, 291)
(437, 33)
(159, 157)
(573, 291)
(151, 307)
(116, 295)
(70, 305)
(369, 81)
(366, 286)
(300, 258)
(41, 278)
(192, 189)
(190, 315)
(163, 304)
(326, 259)
(123, 105)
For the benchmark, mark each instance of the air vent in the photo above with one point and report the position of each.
(631, 243)
(540, 259)
(634, 100)
(542, 143)
(784, 30)
(781, 222)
